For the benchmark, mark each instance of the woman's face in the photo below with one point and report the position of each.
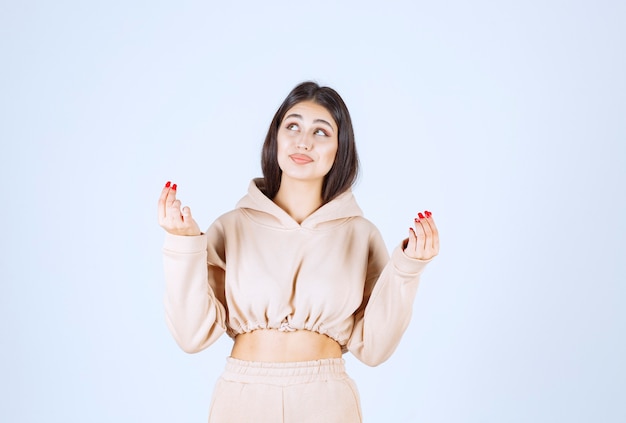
(307, 142)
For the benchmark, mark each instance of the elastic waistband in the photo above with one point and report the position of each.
(284, 373)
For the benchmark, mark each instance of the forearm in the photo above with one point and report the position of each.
(379, 328)
(194, 315)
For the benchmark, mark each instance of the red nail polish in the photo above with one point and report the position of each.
(167, 184)
(428, 214)
(421, 216)
(416, 220)
(174, 187)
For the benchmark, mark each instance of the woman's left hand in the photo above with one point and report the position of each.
(424, 239)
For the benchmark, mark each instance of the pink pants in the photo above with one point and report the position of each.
(300, 392)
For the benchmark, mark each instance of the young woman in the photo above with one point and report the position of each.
(295, 274)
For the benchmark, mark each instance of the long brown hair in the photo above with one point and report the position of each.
(345, 169)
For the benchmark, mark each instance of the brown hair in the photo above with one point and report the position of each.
(345, 169)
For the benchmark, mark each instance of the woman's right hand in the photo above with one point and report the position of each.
(172, 218)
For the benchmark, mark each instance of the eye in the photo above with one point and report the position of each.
(292, 127)
(321, 132)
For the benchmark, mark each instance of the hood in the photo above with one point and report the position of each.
(265, 211)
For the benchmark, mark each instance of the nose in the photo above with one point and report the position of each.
(304, 143)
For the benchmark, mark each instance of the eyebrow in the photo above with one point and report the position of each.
(297, 116)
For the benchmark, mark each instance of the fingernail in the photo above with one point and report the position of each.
(174, 187)
(428, 214)
(421, 216)
(167, 184)
(416, 219)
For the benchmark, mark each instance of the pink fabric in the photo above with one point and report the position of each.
(257, 268)
(296, 392)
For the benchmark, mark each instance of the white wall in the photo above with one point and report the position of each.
(506, 119)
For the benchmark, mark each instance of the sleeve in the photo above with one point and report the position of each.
(194, 288)
(390, 288)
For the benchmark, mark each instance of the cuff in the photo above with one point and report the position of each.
(406, 264)
(185, 244)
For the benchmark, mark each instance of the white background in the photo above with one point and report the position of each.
(504, 118)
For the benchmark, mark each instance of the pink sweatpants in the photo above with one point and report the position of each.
(300, 392)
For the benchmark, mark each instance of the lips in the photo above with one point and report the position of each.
(300, 158)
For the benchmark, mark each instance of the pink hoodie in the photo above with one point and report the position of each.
(257, 268)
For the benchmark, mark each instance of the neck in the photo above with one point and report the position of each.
(299, 198)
